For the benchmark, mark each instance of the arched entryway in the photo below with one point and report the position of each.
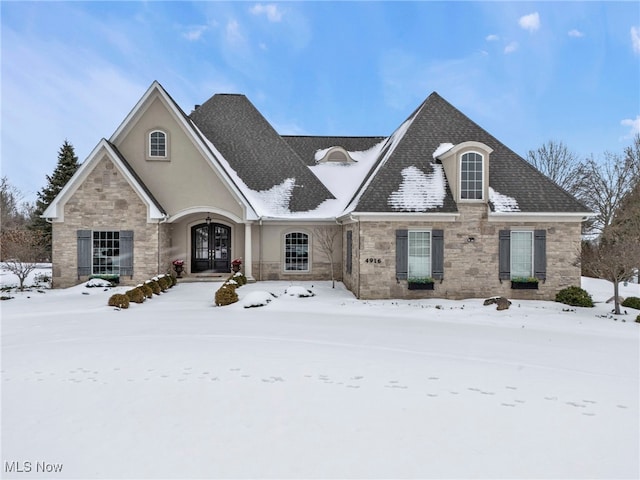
(210, 248)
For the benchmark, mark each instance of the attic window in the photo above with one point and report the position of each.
(158, 144)
(334, 155)
(471, 176)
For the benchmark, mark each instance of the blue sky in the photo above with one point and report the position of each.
(526, 72)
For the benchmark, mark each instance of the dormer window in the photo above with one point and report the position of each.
(334, 155)
(471, 176)
(158, 144)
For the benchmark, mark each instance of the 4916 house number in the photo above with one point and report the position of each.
(373, 260)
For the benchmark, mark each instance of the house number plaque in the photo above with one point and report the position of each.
(373, 260)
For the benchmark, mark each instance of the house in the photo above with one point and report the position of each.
(439, 199)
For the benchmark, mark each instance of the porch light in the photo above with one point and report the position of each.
(208, 220)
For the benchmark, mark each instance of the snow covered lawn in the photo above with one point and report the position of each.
(319, 387)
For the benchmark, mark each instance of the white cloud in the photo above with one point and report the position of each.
(512, 47)
(273, 13)
(195, 33)
(633, 124)
(635, 39)
(233, 34)
(530, 22)
(575, 33)
(492, 38)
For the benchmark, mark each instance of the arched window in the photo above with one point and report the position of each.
(158, 144)
(296, 252)
(471, 176)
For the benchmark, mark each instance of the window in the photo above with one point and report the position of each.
(521, 254)
(296, 252)
(157, 144)
(419, 248)
(471, 176)
(349, 262)
(106, 253)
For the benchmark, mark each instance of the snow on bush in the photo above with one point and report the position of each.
(258, 298)
(296, 291)
(98, 282)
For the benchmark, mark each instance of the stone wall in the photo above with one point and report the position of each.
(470, 267)
(106, 201)
(274, 271)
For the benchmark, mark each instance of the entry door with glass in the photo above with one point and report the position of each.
(210, 248)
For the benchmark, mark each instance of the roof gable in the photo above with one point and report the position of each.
(56, 209)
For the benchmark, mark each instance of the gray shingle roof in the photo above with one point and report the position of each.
(435, 122)
(306, 146)
(260, 157)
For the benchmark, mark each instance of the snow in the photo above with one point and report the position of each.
(442, 149)
(321, 387)
(502, 203)
(419, 191)
(257, 298)
(298, 291)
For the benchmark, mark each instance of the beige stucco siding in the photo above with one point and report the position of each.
(185, 179)
(106, 201)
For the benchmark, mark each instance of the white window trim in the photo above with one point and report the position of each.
(166, 145)
(430, 256)
(531, 232)
(484, 163)
(284, 252)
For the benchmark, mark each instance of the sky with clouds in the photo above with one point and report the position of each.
(526, 72)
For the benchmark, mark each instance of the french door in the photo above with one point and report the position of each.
(210, 248)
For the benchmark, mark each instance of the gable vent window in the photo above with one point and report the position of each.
(471, 176)
(158, 144)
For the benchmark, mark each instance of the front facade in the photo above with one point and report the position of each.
(439, 208)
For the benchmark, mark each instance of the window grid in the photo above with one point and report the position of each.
(419, 247)
(296, 252)
(521, 254)
(157, 144)
(106, 253)
(471, 182)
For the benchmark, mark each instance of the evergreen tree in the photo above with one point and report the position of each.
(66, 167)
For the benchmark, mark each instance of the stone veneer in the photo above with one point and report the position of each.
(274, 271)
(470, 268)
(92, 206)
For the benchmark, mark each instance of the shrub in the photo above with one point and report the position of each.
(172, 278)
(146, 289)
(574, 296)
(164, 283)
(632, 302)
(226, 295)
(136, 295)
(239, 278)
(119, 300)
(155, 287)
(638, 319)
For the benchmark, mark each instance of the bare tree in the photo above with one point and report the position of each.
(14, 213)
(557, 162)
(615, 255)
(21, 250)
(603, 185)
(325, 238)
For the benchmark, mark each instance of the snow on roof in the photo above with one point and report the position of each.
(419, 191)
(502, 203)
(442, 148)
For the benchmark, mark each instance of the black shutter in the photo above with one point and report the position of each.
(504, 254)
(437, 254)
(402, 254)
(126, 252)
(349, 251)
(540, 254)
(84, 252)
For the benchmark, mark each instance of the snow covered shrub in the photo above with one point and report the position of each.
(146, 289)
(155, 287)
(119, 300)
(632, 302)
(172, 278)
(574, 296)
(257, 298)
(226, 295)
(136, 295)
(239, 278)
(299, 292)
